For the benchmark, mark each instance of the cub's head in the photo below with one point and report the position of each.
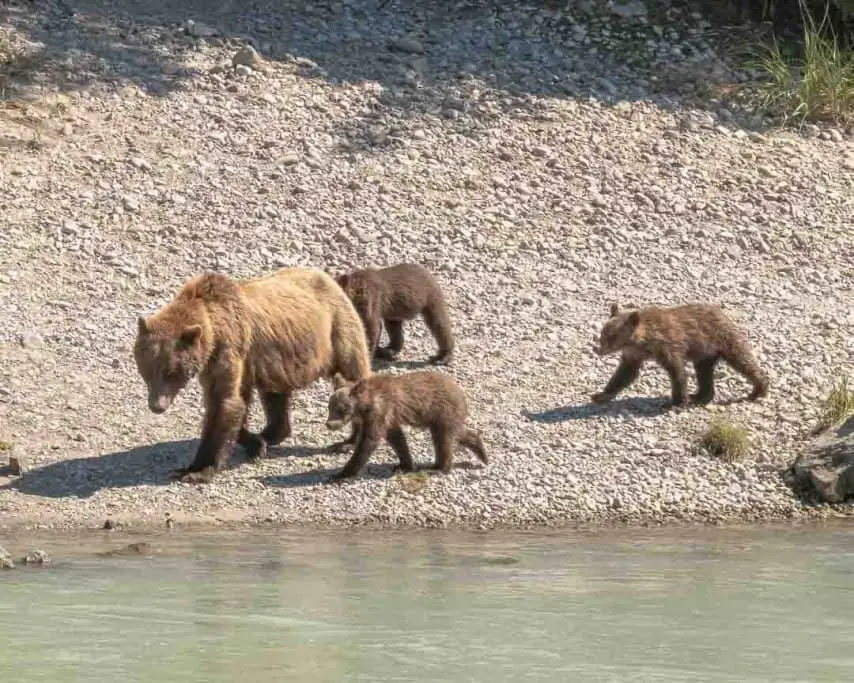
(342, 403)
(167, 357)
(618, 332)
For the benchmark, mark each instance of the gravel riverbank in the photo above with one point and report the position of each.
(541, 164)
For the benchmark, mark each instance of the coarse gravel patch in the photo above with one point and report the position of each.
(542, 163)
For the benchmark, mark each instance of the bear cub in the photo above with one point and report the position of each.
(380, 405)
(670, 336)
(390, 296)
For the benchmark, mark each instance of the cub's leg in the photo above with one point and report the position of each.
(444, 441)
(397, 440)
(438, 321)
(743, 361)
(470, 438)
(705, 370)
(626, 373)
(675, 368)
(395, 340)
(370, 436)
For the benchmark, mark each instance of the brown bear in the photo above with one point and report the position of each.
(393, 295)
(274, 334)
(700, 333)
(380, 405)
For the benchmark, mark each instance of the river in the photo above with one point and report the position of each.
(761, 604)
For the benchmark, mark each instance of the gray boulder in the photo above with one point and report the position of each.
(826, 467)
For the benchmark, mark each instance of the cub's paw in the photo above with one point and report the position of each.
(701, 399)
(204, 476)
(337, 478)
(602, 398)
(441, 359)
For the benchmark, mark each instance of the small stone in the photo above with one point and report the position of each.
(109, 525)
(289, 158)
(130, 203)
(139, 162)
(37, 556)
(835, 135)
(199, 30)
(17, 465)
(242, 70)
(247, 56)
(6, 561)
(406, 44)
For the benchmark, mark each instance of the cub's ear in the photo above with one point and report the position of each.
(342, 279)
(190, 336)
(633, 319)
(615, 308)
(142, 328)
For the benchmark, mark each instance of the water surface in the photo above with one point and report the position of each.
(688, 605)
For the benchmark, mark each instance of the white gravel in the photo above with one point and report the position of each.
(541, 164)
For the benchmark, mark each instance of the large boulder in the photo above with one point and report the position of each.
(826, 467)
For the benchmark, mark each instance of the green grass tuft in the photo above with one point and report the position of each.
(819, 86)
(5, 446)
(414, 482)
(837, 407)
(726, 441)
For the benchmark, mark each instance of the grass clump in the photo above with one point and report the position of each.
(414, 482)
(818, 86)
(5, 446)
(725, 441)
(837, 407)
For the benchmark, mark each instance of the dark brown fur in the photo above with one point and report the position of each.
(381, 405)
(700, 333)
(390, 296)
(274, 334)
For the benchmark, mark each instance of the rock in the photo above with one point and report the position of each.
(243, 70)
(17, 464)
(6, 561)
(199, 30)
(827, 466)
(247, 56)
(406, 44)
(631, 9)
(36, 556)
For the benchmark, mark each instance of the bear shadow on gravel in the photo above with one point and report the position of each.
(639, 406)
(370, 471)
(152, 464)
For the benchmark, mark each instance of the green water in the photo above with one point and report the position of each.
(693, 605)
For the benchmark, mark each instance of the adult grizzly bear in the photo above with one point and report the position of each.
(390, 296)
(700, 333)
(275, 334)
(380, 405)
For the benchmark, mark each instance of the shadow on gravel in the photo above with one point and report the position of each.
(321, 476)
(638, 406)
(431, 58)
(275, 452)
(370, 471)
(82, 477)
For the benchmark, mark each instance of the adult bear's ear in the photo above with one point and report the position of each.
(615, 309)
